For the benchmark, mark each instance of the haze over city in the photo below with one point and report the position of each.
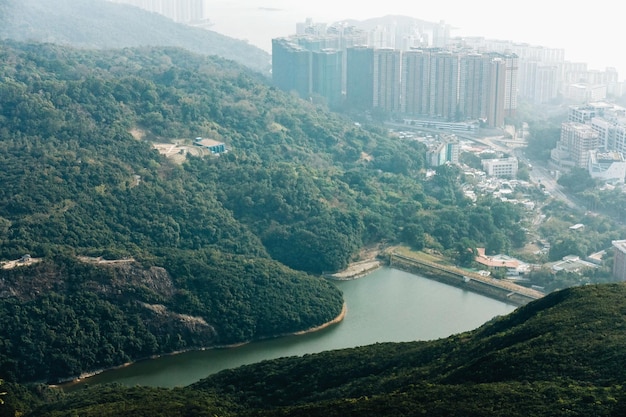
(588, 34)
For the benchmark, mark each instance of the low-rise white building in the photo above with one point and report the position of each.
(502, 167)
(607, 167)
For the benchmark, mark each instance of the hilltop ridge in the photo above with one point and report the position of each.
(104, 25)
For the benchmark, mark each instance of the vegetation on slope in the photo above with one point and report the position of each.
(300, 187)
(561, 355)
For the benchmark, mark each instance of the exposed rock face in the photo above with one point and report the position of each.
(30, 281)
(109, 278)
(151, 289)
(166, 319)
(130, 274)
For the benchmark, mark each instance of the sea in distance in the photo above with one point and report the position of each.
(387, 305)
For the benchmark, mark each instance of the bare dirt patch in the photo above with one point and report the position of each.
(138, 134)
(19, 262)
(177, 152)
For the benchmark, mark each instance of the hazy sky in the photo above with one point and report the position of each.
(591, 33)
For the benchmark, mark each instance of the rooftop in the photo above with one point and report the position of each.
(620, 245)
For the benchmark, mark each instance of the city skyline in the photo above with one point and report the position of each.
(590, 35)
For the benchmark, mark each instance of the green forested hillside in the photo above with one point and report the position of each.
(561, 355)
(301, 189)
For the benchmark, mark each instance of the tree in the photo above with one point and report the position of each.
(413, 235)
(577, 180)
(465, 252)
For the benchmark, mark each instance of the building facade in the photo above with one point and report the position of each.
(327, 76)
(444, 85)
(574, 145)
(502, 167)
(360, 77)
(619, 260)
(609, 167)
(291, 67)
(386, 86)
(415, 82)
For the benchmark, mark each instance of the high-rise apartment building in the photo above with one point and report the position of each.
(307, 72)
(326, 75)
(499, 99)
(435, 83)
(360, 77)
(386, 87)
(291, 67)
(510, 61)
(415, 82)
(475, 86)
(444, 84)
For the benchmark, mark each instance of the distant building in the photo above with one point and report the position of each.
(619, 260)
(512, 266)
(386, 93)
(503, 167)
(572, 149)
(541, 82)
(608, 167)
(584, 92)
(415, 82)
(291, 67)
(360, 77)
(572, 263)
(182, 11)
(443, 150)
(326, 75)
(214, 146)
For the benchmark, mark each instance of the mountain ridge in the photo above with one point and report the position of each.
(105, 25)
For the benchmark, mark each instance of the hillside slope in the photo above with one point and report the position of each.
(101, 24)
(243, 235)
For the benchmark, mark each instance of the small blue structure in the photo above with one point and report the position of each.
(214, 146)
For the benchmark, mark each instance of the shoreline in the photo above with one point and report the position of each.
(84, 377)
(356, 270)
(338, 319)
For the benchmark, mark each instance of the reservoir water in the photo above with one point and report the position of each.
(388, 305)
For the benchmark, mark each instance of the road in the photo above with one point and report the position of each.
(538, 174)
(541, 175)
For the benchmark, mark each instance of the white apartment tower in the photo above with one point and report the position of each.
(573, 147)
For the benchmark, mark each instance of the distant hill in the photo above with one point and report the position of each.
(401, 20)
(101, 24)
(563, 355)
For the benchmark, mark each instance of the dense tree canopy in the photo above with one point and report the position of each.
(300, 189)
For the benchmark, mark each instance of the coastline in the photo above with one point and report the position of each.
(338, 319)
(356, 270)
(70, 382)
